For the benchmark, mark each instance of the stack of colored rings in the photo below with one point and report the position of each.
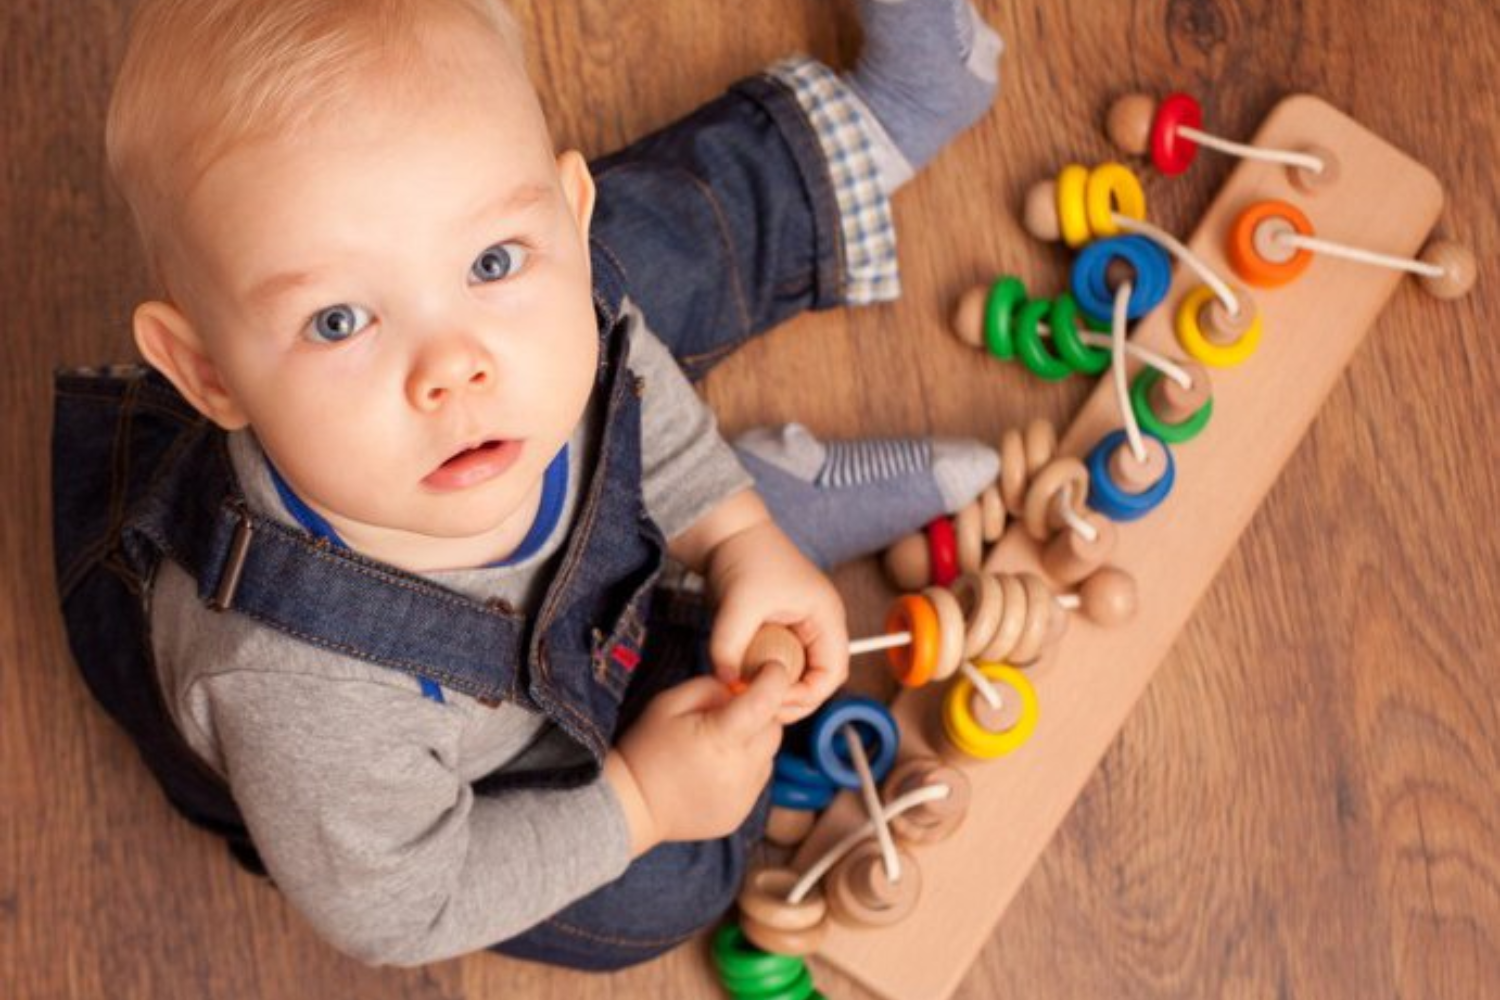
(1012, 329)
(1090, 277)
(798, 784)
(747, 973)
(1087, 201)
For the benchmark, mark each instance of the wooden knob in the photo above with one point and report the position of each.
(1172, 402)
(1039, 214)
(929, 822)
(860, 893)
(908, 564)
(968, 316)
(789, 827)
(1133, 475)
(1128, 123)
(774, 644)
(1109, 597)
(1070, 557)
(1459, 269)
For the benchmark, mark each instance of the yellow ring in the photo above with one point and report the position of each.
(1072, 209)
(967, 735)
(1190, 335)
(1113, 188)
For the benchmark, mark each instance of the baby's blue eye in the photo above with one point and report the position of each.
(498, 262)
(338, 323)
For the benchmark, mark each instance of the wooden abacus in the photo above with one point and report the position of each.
(1312, 325)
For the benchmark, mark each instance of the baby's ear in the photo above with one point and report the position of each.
(173, 347)
(578, 187)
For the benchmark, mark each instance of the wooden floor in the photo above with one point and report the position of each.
(1306, 803)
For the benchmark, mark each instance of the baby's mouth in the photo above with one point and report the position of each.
(474, 465)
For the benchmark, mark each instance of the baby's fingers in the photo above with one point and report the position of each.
(755, 708)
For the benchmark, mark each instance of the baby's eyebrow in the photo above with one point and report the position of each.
(516, 200)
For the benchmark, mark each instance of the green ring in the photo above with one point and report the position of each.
(755, 980)
(1063, 320)
(999, 307)
(737, 958)
(1171, 433)
(1030, 347)
(799, 989)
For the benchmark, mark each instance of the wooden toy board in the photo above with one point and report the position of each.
(1383, 200)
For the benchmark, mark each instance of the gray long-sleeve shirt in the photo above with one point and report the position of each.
(357, 789)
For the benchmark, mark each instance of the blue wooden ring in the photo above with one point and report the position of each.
(877, 732)
(805, 798)
(1089, 278)
(1106, 496)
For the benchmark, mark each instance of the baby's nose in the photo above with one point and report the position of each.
(448, 366)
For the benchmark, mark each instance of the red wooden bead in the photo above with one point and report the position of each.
(942, 543)
(1172, 152)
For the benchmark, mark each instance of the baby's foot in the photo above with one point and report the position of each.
(928, 70)
(843, 499)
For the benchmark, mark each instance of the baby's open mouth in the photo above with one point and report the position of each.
(474, 465)
(484, 446)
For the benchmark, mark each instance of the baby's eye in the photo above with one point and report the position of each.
(498, 262)
(337, 323)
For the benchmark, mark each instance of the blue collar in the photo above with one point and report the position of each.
(549, 512)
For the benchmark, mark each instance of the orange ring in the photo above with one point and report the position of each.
(913, 665)
(1247, 260)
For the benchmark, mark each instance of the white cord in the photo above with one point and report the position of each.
(835, 854)
(982, 684)
(1306, 161)
(872, 803)
(876, 643)
(1071, 602)
(1218, 285)
(1362, 256)
(1117, 367)
(1143, 354)
(1072, 517)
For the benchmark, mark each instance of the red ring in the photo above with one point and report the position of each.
(942, 545)
(1172, 152)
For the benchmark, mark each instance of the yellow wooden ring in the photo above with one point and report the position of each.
(1072, 208)
(1190, 334)
(1113, 188)
(968, 735)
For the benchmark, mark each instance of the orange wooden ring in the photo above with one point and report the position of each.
(1248, 260)
(913, 665)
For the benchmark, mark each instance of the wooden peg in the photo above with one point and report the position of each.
(933, 821)
(787, 827)
(1128, 123)
(1071, 557)
(1459, 269)
(908, 563)
(1109, 597)
(1133, 475)
(1313, 182)
(968, 316)
(1039, 215)
(859, 892)
(1219, 325)
(1173, 403)
(774, 644)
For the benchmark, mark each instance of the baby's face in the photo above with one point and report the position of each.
(400, 304)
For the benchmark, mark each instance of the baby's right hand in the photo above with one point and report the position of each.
(699, 756)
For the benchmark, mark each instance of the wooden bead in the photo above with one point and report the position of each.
(774, 644)
(1172, 403)
(1128, 124)
(980, 601)
(1133, 475)
(1013, 475)
(908, 563)
(1109, 597)
(991, 514)
(1041, 445)
(1269, 238)
(1314, 182)
(1012, 620)
(966, 525)
(1459, 269)
(951, 634)
(1070, 557)
(968, 316)
(763, 898)
(1040, 607)
(1044, 496)
(783, 942)
(789, 827)
(929, 822)
(1039, 215)
(860, 893)
(1220, 326)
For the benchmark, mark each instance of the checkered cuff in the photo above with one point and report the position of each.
(845, 133)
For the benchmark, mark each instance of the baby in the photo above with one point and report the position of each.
(389, 618)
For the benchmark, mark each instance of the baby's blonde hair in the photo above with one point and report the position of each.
(202, 76)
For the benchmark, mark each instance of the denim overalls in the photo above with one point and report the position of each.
(718, 227)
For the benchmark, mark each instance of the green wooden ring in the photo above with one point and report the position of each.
(739, 960)
(1140, 402)
(1030, 347)
(800, 988)
(999, 310)
(1063, 319)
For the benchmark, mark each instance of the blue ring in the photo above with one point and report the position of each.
(1153, 270)
(798, 770)
(1108, 498)
(807, 798)
(872, 721)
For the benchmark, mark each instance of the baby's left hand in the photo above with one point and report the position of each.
(759, 577)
